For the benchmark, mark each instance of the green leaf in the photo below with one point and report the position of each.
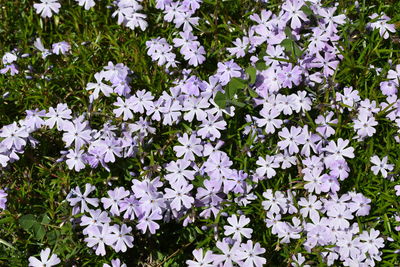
(296, 50)
(6, 219)
(260, 65)
(39, 231)
(252, 72)
(44, 219)
(253, 93)
(52, 236)
(27, 221)
(6, 244)
(286, 44)
(236, 103)
(288, 33)
(307, 10)
(220, 100)
(291, 48)
(233, 86)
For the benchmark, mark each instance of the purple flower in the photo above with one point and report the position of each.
(9, 57)
(186, 20)
(97, 219)
(340, 216)
(275, 203)
(99, 237)
(294, 13)
(338, 151)
(194, 54)
(131, 207)
(397, 188)
(394, 76)
(218, 166)
(325, 123)
(381, 23)
(229, 256)
(195, 106)
(240, 47)
(119, 238)
(371, 242)
(141, 101)
(115, 196)
(269, 120)
(178, 172)
(179, 195)
(75, 197)
(58, 116)
(147, 222)
(171, 111)
(3, 199)
(115, 263)
(364, 124)
(291, 139)
(190, 146)
(12, 68)
(124, 107)
(110, 148)
(77, 132)
(381, 165)
(359, 204)
(33, 118)
(226, 71)
(210, 127)
(314, 180)
(310, 207)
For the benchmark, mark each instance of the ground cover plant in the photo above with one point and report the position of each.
(199, 133)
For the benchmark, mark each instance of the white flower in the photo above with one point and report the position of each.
(9, 58)
(237, 228)
(44, 261)
(267, 166)
(88, 4)
(381, 165)
(47, 7)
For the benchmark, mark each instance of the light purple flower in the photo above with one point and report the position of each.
(226, 71)
(45, 260)
(61, 48)
(3, 199)
(76, 197)
(267, 166)
(147, 222)
(200, 259)
(190, 146)
(250, 254)
(119, 238)
(179, 195)
(115, 196)
(88, 4)
(237, 228)
(381, 165)
(47, 7)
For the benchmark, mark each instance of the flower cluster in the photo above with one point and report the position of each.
(292, 59)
